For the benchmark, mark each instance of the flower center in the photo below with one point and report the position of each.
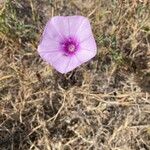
(71, 48)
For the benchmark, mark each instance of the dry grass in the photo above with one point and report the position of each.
(102, 105)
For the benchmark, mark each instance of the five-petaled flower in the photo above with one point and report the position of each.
(67, 42)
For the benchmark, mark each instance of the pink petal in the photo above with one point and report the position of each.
(62, 63)
(61, 25)
(50, 32)
(84, 31)
(50, 57)
(47, 44)
(89, 44)
(74, 62)
(74, 24)
(85, 55)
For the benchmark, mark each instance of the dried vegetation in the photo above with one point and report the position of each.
(102, 105)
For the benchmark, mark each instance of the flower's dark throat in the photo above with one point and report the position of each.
(69, 46)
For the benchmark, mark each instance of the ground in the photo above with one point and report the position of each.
(102, 105)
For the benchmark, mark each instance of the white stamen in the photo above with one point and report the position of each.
(71, 48)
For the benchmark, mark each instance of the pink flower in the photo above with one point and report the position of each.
(67, 42)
